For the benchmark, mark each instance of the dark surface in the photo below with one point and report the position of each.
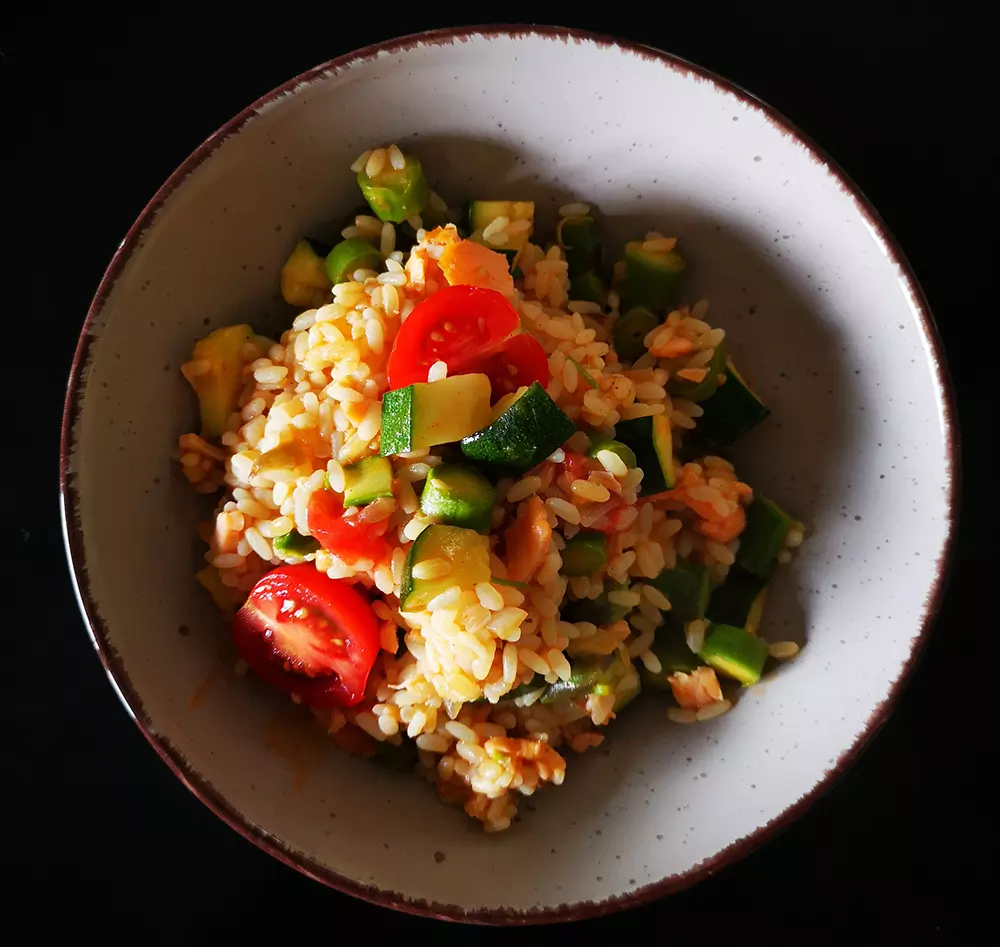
(98, 829)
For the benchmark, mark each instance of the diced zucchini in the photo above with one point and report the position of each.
(483, 213)
(585, 553)
(652, 279)
(458, 496)
(367, 480)
(293, 543)
(674, 656)
(687, 587)
(704, 389)
(435, 412)
(599, 442)
(732, 411)
(530, 428)
(650, 440)
(464, 550)
(764, 536)
(216, 375)
(734, 652)
(739, 600)
(585, 674)
(396, 195)
(285, 462)
(304, 282)
(349, 255)
(613, 674)
(588, 287)
(630, 330)
(598, 611)
(581, 243)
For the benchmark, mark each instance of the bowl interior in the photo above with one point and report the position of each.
(818, 313)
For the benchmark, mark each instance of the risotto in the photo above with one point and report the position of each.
(475, 499)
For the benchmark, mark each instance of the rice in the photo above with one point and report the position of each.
(465, 675)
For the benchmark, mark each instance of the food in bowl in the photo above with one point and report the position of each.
(475, 499)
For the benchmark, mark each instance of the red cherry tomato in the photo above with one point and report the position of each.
(308, 635)
(456, 325)
(521, 361)
(576, 465)
(350, 539)
(473, 330)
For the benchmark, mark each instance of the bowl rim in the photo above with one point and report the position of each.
(202, 788)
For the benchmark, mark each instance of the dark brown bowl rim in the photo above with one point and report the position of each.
(204, 790)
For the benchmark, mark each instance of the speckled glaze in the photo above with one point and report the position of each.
(823, 314)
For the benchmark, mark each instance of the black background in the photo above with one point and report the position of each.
(98, 109)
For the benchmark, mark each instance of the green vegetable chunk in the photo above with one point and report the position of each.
(349, 255)
(293, 543)
(613, 674)
(585, 553)
(367, 480)
(733, 410)
(464, 550)
(459, 496)
(396, 195)
(435, 412)
(599, 442)
(650, 440)
(304, 282)
(220, 357)
(598, 611)
(630, 330)
(652, 278)
(764, 536)
(687, 587)
(734, 652)
(588, 287)
(704, 389)
(674, 655)
(530, 428)
(580, 242)
(739, 600)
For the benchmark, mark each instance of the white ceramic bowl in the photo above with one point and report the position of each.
(822, 311)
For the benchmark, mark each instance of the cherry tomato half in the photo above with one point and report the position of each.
(521, 361)
(306, 634)
(350, 539)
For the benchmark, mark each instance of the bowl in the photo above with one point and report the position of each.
(820, 307)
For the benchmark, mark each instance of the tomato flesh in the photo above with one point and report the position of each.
(472, 330)
(308, 635)
(350, 539)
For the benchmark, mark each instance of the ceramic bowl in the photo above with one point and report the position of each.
(822, 311)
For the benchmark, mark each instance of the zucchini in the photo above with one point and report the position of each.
(704, 389)
(458, 496)
(763, 537)
(483, 213)
(435, 412)
(630, 330)
(735, 653)
(367, 480)
(652, 279)
(304, 282)
(650, 440)
(674, 656)
(739, 600)
(529, 428)
(609, 675)
(349, 255)
(578, 238)
(585, 553)
(218, 386)
(293, 543)
(588, 287)
(731, 411)
(687, 587)
(464, 550)
(396, 195)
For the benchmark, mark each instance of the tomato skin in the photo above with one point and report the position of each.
(325, 658)
(575, 464)
(349, 539)
(480, 320)
(520, 362)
